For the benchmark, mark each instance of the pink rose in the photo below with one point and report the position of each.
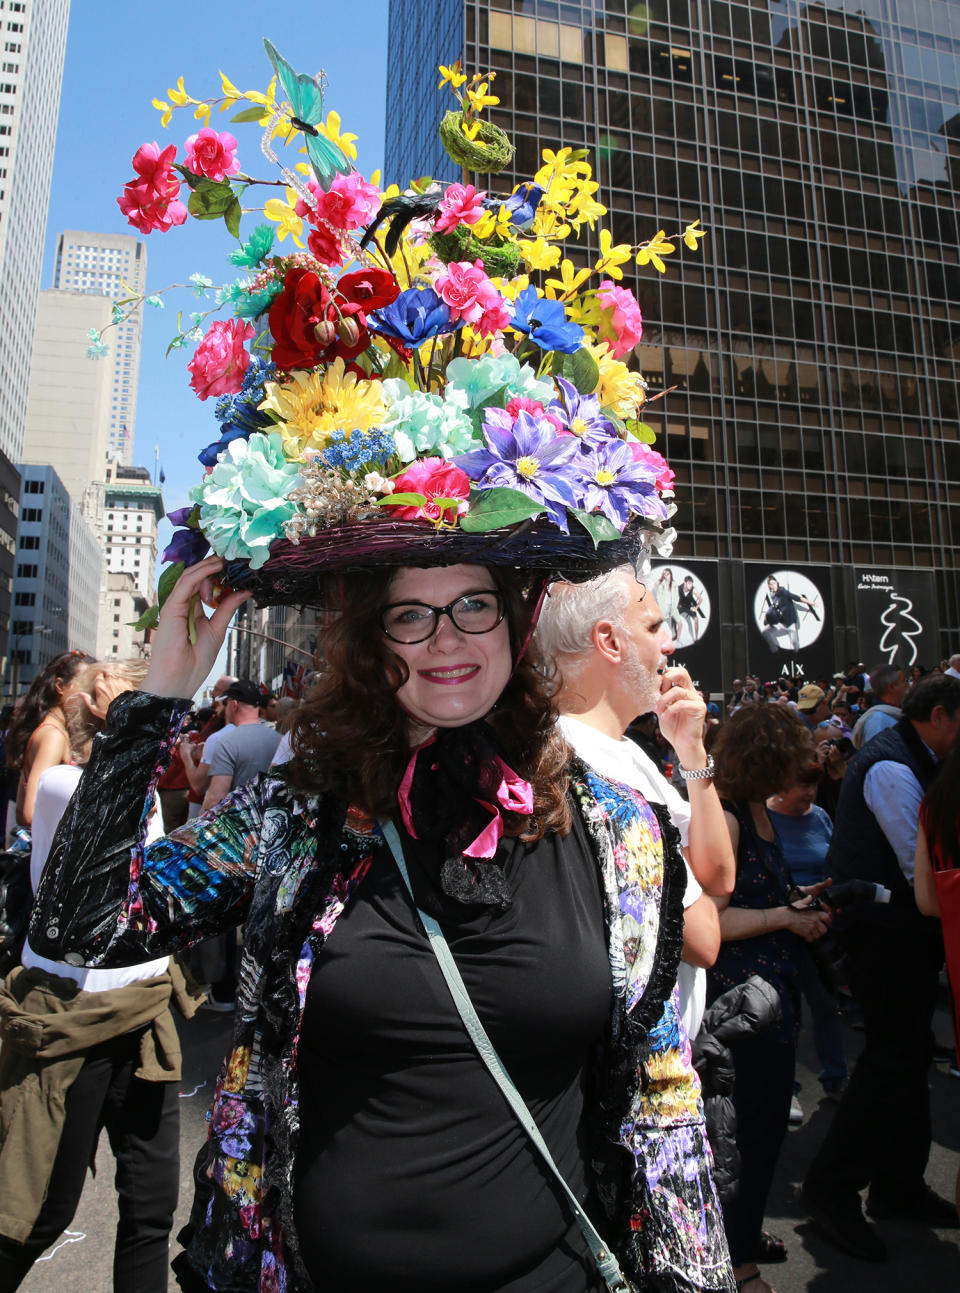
(351, 202)
(624, 322)
(655, 461)
(435, 479)
(523, 404)
(495, 316)
(459, 205)
(220, 361)
(151, 201)
(212, 154)
(324, 245)
(467, 290)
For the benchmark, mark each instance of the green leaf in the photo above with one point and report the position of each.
(175, 344)
(640, 431)
(167, 580)
(210, 199)
(599, 527)
(148, 620)
(248, 114)
(395, 367)
(402, 500)
(422, 184)
(498, 507)
(231, 218)
(189, 176)
(582, 370)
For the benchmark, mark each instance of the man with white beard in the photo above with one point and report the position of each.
(611, 645)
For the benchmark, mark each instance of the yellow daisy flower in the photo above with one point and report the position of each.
(618, 389)
(312, 404)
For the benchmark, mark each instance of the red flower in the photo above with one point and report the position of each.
(310, 324)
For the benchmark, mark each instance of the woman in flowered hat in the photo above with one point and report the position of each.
(429, 438)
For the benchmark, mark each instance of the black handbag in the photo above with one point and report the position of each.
(16, 899)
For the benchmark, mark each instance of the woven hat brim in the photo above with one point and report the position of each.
(296, 574)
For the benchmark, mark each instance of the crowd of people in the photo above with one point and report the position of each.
(766, 813)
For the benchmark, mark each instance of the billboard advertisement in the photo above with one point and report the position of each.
(897, 617)
(789, 633)
(687, 593)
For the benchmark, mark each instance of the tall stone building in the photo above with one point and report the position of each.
(111, 266)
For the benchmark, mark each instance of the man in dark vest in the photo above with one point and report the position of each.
(880, 1134)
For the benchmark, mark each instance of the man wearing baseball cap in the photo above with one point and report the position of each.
(812, 705)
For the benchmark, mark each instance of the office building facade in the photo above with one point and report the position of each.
(111, 266)
(812, 345)
(33, 41)
(56, 588)
(132, 509)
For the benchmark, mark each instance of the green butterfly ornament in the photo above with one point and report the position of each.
(305, 98)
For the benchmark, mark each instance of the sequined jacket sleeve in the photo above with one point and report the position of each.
(105, 899)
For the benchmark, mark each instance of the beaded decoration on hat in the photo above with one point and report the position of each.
(423, 376)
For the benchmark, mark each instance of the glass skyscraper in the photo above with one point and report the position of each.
(813, 343)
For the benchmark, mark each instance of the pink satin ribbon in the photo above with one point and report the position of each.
(513, 794)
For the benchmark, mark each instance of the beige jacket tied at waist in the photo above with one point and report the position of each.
(47, 1025)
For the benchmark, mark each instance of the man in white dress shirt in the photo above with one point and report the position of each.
(611, 647)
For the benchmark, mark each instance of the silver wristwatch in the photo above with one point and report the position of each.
(697, 774)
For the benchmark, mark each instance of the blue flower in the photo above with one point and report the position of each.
(253, 251)
(188, 544)
(582, 416)
(616, 485)
(416, 315)
(545, 322)
(362, 449)
(239, 414)
(527, 455)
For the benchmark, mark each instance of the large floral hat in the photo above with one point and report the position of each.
(422, 376)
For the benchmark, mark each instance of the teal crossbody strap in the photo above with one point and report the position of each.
(605, 1261)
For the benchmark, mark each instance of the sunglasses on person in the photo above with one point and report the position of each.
(409, 622)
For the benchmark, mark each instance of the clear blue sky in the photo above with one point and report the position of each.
(122, 55)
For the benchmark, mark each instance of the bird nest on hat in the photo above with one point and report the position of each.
(430, 380)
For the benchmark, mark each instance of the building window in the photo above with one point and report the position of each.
(25, 599)
(30, 541)
(26, 572)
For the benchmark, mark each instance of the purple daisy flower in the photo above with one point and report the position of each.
(617, 486)
(527, 455)
(582, 416)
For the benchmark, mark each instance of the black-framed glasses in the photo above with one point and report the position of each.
(409, 622)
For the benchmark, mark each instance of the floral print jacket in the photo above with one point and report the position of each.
(285, 867)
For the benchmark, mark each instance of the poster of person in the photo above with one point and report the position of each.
(788, 633)
(897, 619)
(687, 594)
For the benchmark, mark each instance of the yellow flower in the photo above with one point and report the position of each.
(650, 253)
(331, 130)
(692, 235)
(451, 74)
(583, 207)
(312, 404)
(165, 108)
(202, 113)
(617, 388)
(569, 279)
(283, 214)
(230, 91)
(510, 288)
(480, 98)
(489, 225)
(611, 257)
(540, 254)
(471, 129)
(179, 96)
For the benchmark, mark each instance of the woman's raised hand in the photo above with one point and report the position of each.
(179, 665)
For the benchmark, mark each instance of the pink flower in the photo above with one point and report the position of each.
(624, 319)
(151, 201)
(495, 316)
(523, 404)
(655, 461)
(351, 202)
(468, 292)
(212, 154)
(459, 205)
(435, 479)
(220, 361)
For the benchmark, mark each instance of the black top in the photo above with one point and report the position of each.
(412, 1172)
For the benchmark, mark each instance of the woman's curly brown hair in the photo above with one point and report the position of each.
(759, 751)
(350, 737)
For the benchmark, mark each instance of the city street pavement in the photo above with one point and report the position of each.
(920, 1258)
